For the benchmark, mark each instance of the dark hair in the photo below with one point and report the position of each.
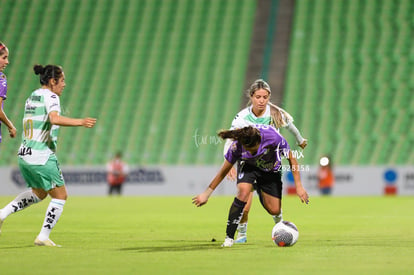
(247, 136)
(48, 72)
(2, 47)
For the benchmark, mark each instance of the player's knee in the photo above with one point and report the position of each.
(243, 194)
(41, 194)
(273, 210)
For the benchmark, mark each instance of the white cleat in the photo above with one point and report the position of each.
(48, 242)
(227, 242)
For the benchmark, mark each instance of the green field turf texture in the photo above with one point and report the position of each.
(168, 235)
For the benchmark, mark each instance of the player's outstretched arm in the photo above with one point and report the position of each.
(294, 167)
(302, 142)
(202, 198)
(7, 121)
(57, 119)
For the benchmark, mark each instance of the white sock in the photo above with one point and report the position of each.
(22, 201)
(278, 218)
(53, 213)
(242, 228)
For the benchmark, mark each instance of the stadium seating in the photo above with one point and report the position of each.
(163, 76)
(349, 82)
(154, 72)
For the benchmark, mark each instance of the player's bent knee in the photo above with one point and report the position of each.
(243, 195)
(273, 210)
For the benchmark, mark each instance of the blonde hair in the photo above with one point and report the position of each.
(257, 85)
(280, 118)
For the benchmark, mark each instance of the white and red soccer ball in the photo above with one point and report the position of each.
(285, 233)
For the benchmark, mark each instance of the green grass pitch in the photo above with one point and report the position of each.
(168, 235)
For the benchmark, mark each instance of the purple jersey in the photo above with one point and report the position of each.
(273, 147)
(3, 92)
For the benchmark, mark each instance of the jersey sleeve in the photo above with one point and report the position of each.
(286, 118)
(3, 86)
(238, 122)
(276, 140)
(233, 153)
(295, 132)
(282, 147)
(52, 103)
(227, 146)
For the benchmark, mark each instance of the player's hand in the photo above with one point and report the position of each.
(303, 144)
(88, 122)
(231, 175)
(12, 132)
(200, 200)
(302, 194)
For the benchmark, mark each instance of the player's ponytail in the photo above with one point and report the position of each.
(280, 118)
(247, 136)
(38, 69)
(47, 72)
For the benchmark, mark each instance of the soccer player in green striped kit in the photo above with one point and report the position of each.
(36, 157)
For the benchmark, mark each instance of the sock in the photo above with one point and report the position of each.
(53, 213)
(235, 215)
(242, 229)
(22, 201)
(278, 218)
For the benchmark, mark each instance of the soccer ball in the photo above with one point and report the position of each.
(285, 233)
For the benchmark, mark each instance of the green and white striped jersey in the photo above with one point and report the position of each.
(39, 137)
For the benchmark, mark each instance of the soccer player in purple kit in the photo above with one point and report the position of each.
(259, 150)
(4, 61)
(260, 111)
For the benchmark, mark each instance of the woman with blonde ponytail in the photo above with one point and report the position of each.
(260, 111)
